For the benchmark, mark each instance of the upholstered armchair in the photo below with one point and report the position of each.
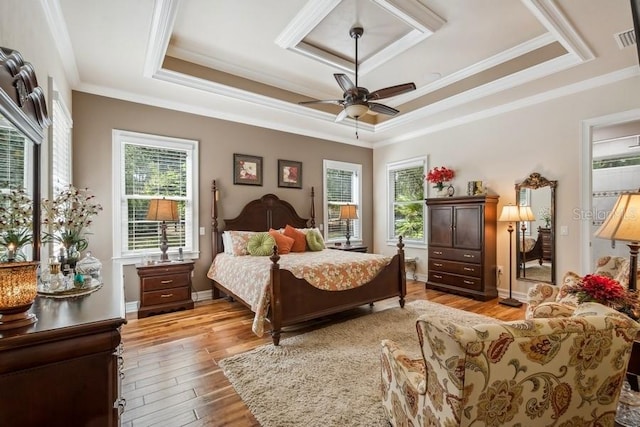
(562, 371)
(545, 300)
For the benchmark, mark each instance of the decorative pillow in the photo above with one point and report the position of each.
(314, 240)
(226, 243)
(283, 242)
(609, 266)
(570, 280)
(261, 244)
(299, 239)
(239, 241)
(316, 230)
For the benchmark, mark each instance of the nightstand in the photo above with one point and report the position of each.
(165, 287)
(350, 248)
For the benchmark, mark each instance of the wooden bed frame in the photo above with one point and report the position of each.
(294, 300)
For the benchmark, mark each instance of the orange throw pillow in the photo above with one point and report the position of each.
(283, 242)
(300, 239)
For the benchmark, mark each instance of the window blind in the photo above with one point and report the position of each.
(61, 160)
(12, 158)
(342, 187)
(406, 197)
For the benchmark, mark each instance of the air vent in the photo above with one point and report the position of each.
(625, 38)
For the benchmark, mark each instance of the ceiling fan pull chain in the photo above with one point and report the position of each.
(357, 137)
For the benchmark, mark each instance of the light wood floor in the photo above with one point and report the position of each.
(171, 376)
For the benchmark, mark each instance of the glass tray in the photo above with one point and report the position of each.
(71, 292)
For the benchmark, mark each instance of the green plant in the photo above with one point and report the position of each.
(67, 217)
(16, 219)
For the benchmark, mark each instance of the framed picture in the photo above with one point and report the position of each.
(247, 170)
(289, 174)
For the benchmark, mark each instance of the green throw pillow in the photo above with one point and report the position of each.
(261, 244)
(315, 240)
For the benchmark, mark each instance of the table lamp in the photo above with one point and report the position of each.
(511, 214)
(347, 213)
(163, 210)
(623, 223)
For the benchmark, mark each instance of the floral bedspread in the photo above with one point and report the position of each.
(330, 270)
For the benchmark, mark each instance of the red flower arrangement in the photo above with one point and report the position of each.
(440, 174)
(609, 292)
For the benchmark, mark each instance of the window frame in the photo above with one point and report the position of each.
(356, 225)
(392, 167)
(120, 213)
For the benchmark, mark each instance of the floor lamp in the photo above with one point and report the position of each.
(163, 210)
(526, 214)
(511, 214)
(623, 223)
(347, 213)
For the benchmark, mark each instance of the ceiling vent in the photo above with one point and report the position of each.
(625, 38)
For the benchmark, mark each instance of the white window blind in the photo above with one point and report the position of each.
(61, 161)
(342, 185)
(406, 200)
(155, 167)
(13, 170)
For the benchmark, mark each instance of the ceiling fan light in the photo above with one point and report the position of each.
(356, 110)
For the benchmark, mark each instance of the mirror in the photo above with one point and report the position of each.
(23, 119)
(536, 254)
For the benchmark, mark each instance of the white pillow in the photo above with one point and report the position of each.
(226, 243)
(239, 240)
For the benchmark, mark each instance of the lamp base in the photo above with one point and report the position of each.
(511, 302)
(16, 317)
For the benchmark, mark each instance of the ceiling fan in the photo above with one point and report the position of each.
(357, 101)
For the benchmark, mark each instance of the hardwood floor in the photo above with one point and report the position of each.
(171, 376)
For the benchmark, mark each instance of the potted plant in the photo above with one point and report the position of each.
(16, 221)
(66, 220)
(439, 175)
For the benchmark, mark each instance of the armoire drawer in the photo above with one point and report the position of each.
(451, 254)
(462, 268)
(466, 282)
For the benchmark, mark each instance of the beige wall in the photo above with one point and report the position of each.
(95, 117)
(505, 149)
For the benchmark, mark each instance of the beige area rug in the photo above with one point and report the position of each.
(538, 272)
(330, 376)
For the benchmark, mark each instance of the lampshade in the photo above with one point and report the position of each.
(526, 214)
(163, 210)
(348, 212)
(357, 110)
(623, 223)
(509, 213)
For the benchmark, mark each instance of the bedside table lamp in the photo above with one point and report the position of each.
(511, 214)
(163, 210)
(623, 223)
(347, 213)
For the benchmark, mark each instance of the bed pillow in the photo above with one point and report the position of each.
(226, 243)
(261, 244)
(314, 240)
(239, 241)
(283, 242)
(299, 239)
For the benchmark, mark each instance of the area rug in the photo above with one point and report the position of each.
(538, 272)
(330, 376)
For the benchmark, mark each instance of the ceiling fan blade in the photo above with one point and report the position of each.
(323, 101)
(345, 82)
(341, 116)
(384, 109)
(390, 91)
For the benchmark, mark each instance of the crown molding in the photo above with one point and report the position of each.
(58, 27)
(164, 18)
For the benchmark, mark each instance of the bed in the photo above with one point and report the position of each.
(292, 300)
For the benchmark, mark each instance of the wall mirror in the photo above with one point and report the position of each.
(536, 237)
(23, 119)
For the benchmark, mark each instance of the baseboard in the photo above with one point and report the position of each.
(132, 306)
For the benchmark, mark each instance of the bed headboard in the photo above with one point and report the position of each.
(269, 211)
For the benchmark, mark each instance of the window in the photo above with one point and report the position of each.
(406, 200)
(342, 185)
(149, 167)
(60, 136)
(14, 172)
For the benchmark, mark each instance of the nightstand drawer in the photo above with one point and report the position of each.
(165, 282)
(165, 296)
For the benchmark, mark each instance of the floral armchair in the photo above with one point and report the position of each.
(560, 371)
(545, 300)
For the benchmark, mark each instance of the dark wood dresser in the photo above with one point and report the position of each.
(165, 287)
(545, 236)
(66, 368)
(462, 245)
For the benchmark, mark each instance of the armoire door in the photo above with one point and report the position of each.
(440, 226)
(468, 226)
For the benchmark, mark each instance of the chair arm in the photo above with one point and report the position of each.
(550, 310)
(538, 294)
(410, 369)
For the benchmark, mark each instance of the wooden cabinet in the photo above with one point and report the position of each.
(462, 245)
(65, 369)
(165, 287)
(544, 234)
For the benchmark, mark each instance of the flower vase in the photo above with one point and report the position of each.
(441, 189)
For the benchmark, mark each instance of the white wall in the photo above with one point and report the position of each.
(505, 149)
